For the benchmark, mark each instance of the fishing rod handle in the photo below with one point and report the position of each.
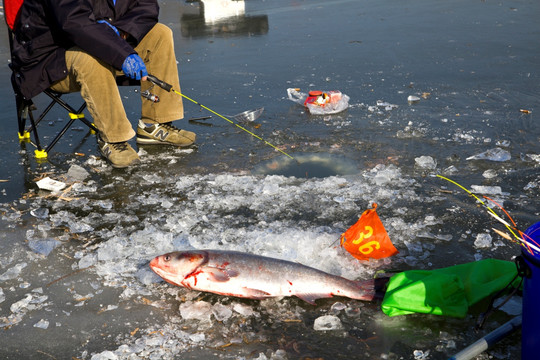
(162, 84)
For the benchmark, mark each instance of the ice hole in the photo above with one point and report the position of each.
(318, 165)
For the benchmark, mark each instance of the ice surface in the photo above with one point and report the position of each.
(290, 218)
(514, 306)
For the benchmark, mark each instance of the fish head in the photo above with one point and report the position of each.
(174, 267)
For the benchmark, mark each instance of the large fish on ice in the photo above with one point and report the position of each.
(251, 276)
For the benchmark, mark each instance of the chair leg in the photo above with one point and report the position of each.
(24, 112)
(39, 152)
(73, 115)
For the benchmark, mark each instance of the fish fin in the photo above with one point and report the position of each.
(373, 289)
(218, 274)
(310, 298)
(255, 293)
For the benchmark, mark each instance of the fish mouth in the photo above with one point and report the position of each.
(167, 276)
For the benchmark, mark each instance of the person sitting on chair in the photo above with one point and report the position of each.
(83, 45)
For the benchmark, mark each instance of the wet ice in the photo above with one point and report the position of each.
(108, 234)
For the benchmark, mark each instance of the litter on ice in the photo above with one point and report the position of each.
(50, 184)
(320, 102)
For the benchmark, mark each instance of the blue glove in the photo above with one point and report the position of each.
(111, 26)
(134, 68)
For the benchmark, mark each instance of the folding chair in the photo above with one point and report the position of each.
(26, 106)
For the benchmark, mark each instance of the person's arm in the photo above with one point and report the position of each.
(138, 17)
(76, 19)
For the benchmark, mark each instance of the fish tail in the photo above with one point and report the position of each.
(373, 289)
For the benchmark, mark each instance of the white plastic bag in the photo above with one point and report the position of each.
(330, 102)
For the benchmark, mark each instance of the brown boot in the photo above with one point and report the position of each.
(120, 155)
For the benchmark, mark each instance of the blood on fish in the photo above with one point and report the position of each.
(194, 275)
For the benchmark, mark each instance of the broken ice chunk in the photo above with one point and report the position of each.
(221, 312)
(426, 162)
(327, 322)
(43, 247)
(496, 154)
(200, 310)
(40, 213)
(77, 173)
(483, 240)
(13, 272)
(42, 324)
(488, 190)
(243, 310)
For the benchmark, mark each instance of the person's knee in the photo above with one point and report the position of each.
(162, 31)
(84, 63)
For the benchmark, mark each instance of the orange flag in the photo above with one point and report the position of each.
(368, 238)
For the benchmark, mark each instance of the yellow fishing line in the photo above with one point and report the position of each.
(232, 122)
(522, 241)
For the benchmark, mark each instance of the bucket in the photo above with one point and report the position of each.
(530, 329)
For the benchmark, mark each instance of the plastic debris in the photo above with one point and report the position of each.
(50, 184)
(413, 99)
(320, 102)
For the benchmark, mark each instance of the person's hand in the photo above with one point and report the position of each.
(134, 67)
(111, 26)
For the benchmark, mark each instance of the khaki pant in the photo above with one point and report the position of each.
(96, 82)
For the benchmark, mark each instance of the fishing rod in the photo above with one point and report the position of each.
(168, 87)
(522, 238)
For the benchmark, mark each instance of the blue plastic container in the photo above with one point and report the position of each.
(530, 329)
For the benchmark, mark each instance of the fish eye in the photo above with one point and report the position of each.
(167, 257)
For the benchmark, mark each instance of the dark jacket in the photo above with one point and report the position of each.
(45, 29)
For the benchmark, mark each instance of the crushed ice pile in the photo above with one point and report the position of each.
(111, 239)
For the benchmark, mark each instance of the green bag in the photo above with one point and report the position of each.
(449, 291)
